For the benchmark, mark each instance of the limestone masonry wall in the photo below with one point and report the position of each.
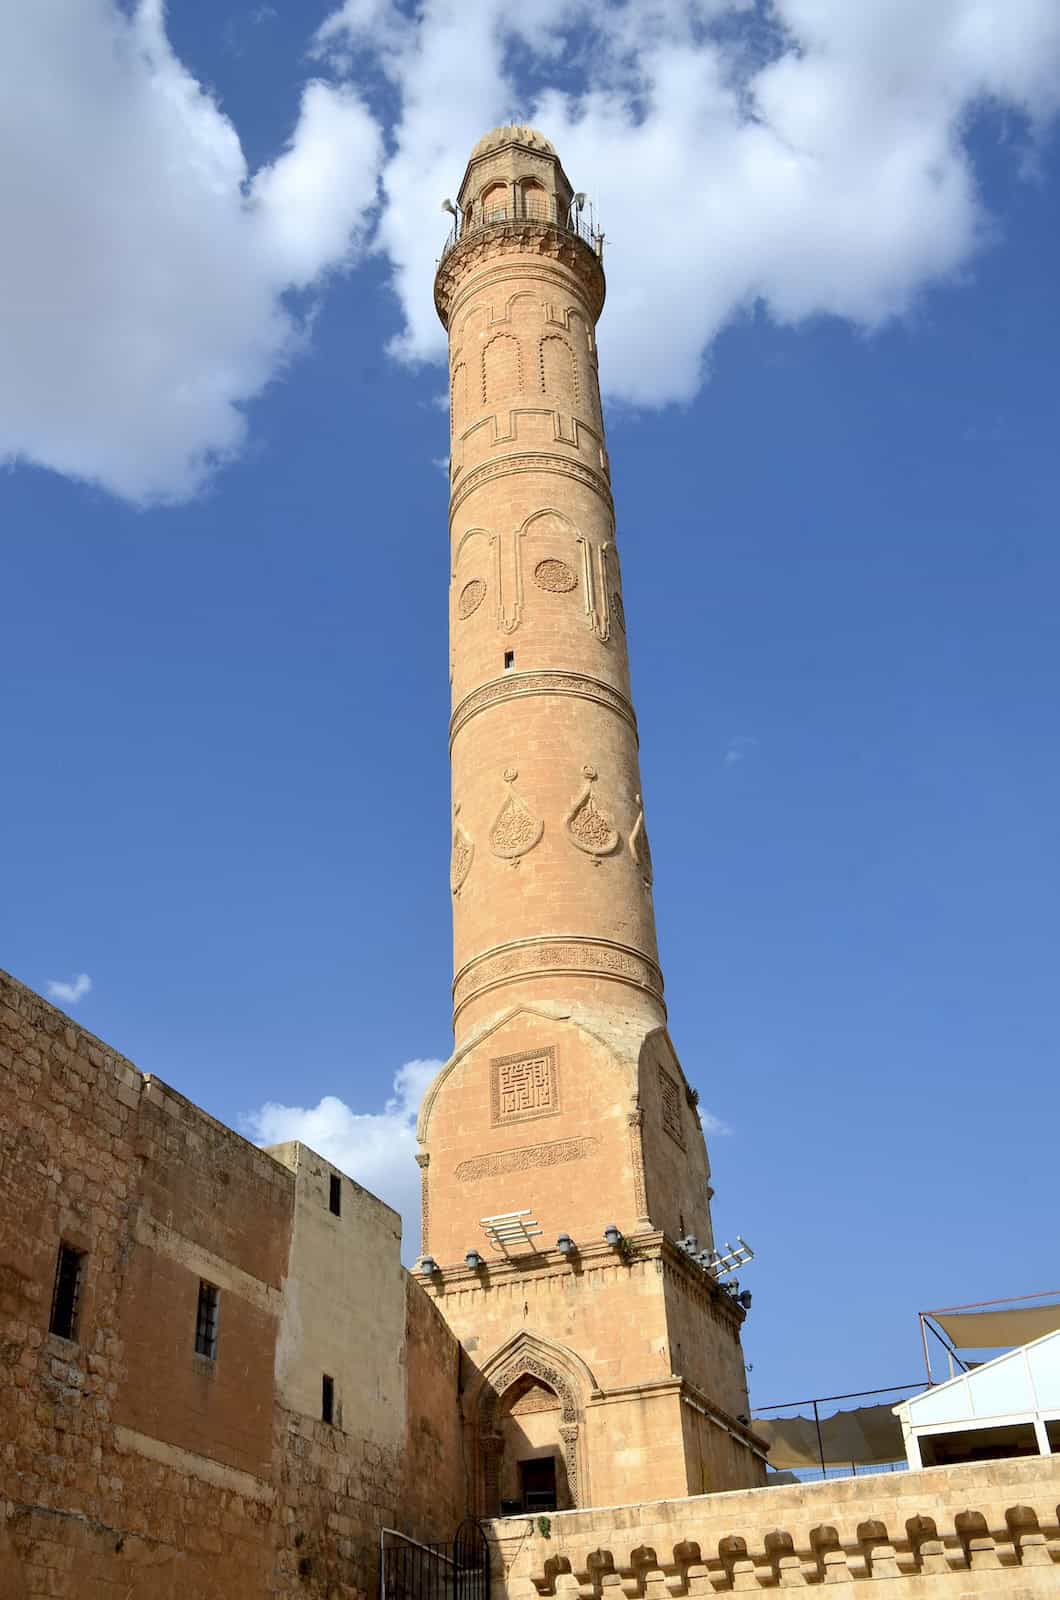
(947, 1533)
(132, 1466)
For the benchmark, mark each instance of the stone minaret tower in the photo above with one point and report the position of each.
(598, 1369)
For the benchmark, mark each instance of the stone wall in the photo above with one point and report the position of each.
(947, 1532)
(129, 1464)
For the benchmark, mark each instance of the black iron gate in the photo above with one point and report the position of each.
(458, 1569)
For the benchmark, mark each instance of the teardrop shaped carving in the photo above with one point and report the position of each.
(462, 856)
(515, 829)
(640, 849)
(587, 825)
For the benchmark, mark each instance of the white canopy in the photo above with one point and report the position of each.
(996, 1330)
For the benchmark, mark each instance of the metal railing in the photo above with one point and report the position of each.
(502, 216)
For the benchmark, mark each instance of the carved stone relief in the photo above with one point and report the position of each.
(516, 685)
(670, 1100)
(555, 956)
(587, 825)
(524, 1086)
(470, 598)
(556, 1154)
(555, 576)
(515, 830)
(423, 1161)
(462, 855)
(635, 1119)
(639, 847)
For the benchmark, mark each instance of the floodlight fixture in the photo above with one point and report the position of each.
(473, 1260)
(745, 1299)
(447, 205)
(428, 1267)
(613, 1235)
(689, 1244)
(565, 1244)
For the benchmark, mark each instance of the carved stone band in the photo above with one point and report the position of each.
(524, 461)
(555, 1154)
(516, 685)
(555, 956)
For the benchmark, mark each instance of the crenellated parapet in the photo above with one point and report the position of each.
(988, 1528)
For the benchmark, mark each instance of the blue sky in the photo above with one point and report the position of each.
(225, 789)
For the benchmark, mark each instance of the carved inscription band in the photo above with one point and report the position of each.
(525, 462)
(555, 1154)
(555, 956)
(514, 685)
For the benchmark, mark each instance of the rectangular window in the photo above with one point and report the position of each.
(327, 1399)
(206, 1320)
(509, 660)
(336, 1196)
(67, 1292)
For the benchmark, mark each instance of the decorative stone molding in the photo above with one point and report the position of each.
(515, 685)
(501, 242)
(527, 1156)
(423, 1161)
(639, 848)
(587, 826)
(635, 1120)
(515, 830)
(525, 461)
(463, 853)
(670, 1103)
(556, 956)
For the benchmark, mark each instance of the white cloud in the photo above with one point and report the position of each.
(377, 1148)
(810, 156)
(713, 1125)
(70, 993)
(739, 748)
(144, 268)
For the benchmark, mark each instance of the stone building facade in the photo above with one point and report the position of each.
(218, 1382)
(132, 1461)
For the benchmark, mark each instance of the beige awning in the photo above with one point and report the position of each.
(867, 1436)
(996, 1330)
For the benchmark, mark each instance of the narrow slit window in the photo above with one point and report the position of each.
(66, 1296)
(509, 660)
(335, 1199)
(327, 1398)
(207, 1320)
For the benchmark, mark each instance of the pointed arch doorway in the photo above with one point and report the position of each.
(527, 1416)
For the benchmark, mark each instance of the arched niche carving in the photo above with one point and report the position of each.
(527, 1357)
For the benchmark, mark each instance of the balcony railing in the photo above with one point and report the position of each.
(575, 222)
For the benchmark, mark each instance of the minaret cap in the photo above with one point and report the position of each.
(513, 133)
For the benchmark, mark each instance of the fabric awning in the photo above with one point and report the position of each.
(867, 1436)
(996, 1330)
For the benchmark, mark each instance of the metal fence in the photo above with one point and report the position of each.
(456, 1569)
(575, 222)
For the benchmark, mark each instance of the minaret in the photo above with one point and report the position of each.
(564, 1107)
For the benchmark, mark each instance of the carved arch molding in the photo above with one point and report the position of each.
(490, 1440)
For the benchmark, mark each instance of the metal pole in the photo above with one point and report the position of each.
(927, 1353)
(820, 1441)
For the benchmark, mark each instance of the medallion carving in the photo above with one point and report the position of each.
(515, 830)
(587, 825)
(555, 576)
(524, 1086)
(462, 855)
(556, 1154)
(470, 598)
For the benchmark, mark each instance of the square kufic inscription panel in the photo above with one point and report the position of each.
(524, 1086)
(670, 1097)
